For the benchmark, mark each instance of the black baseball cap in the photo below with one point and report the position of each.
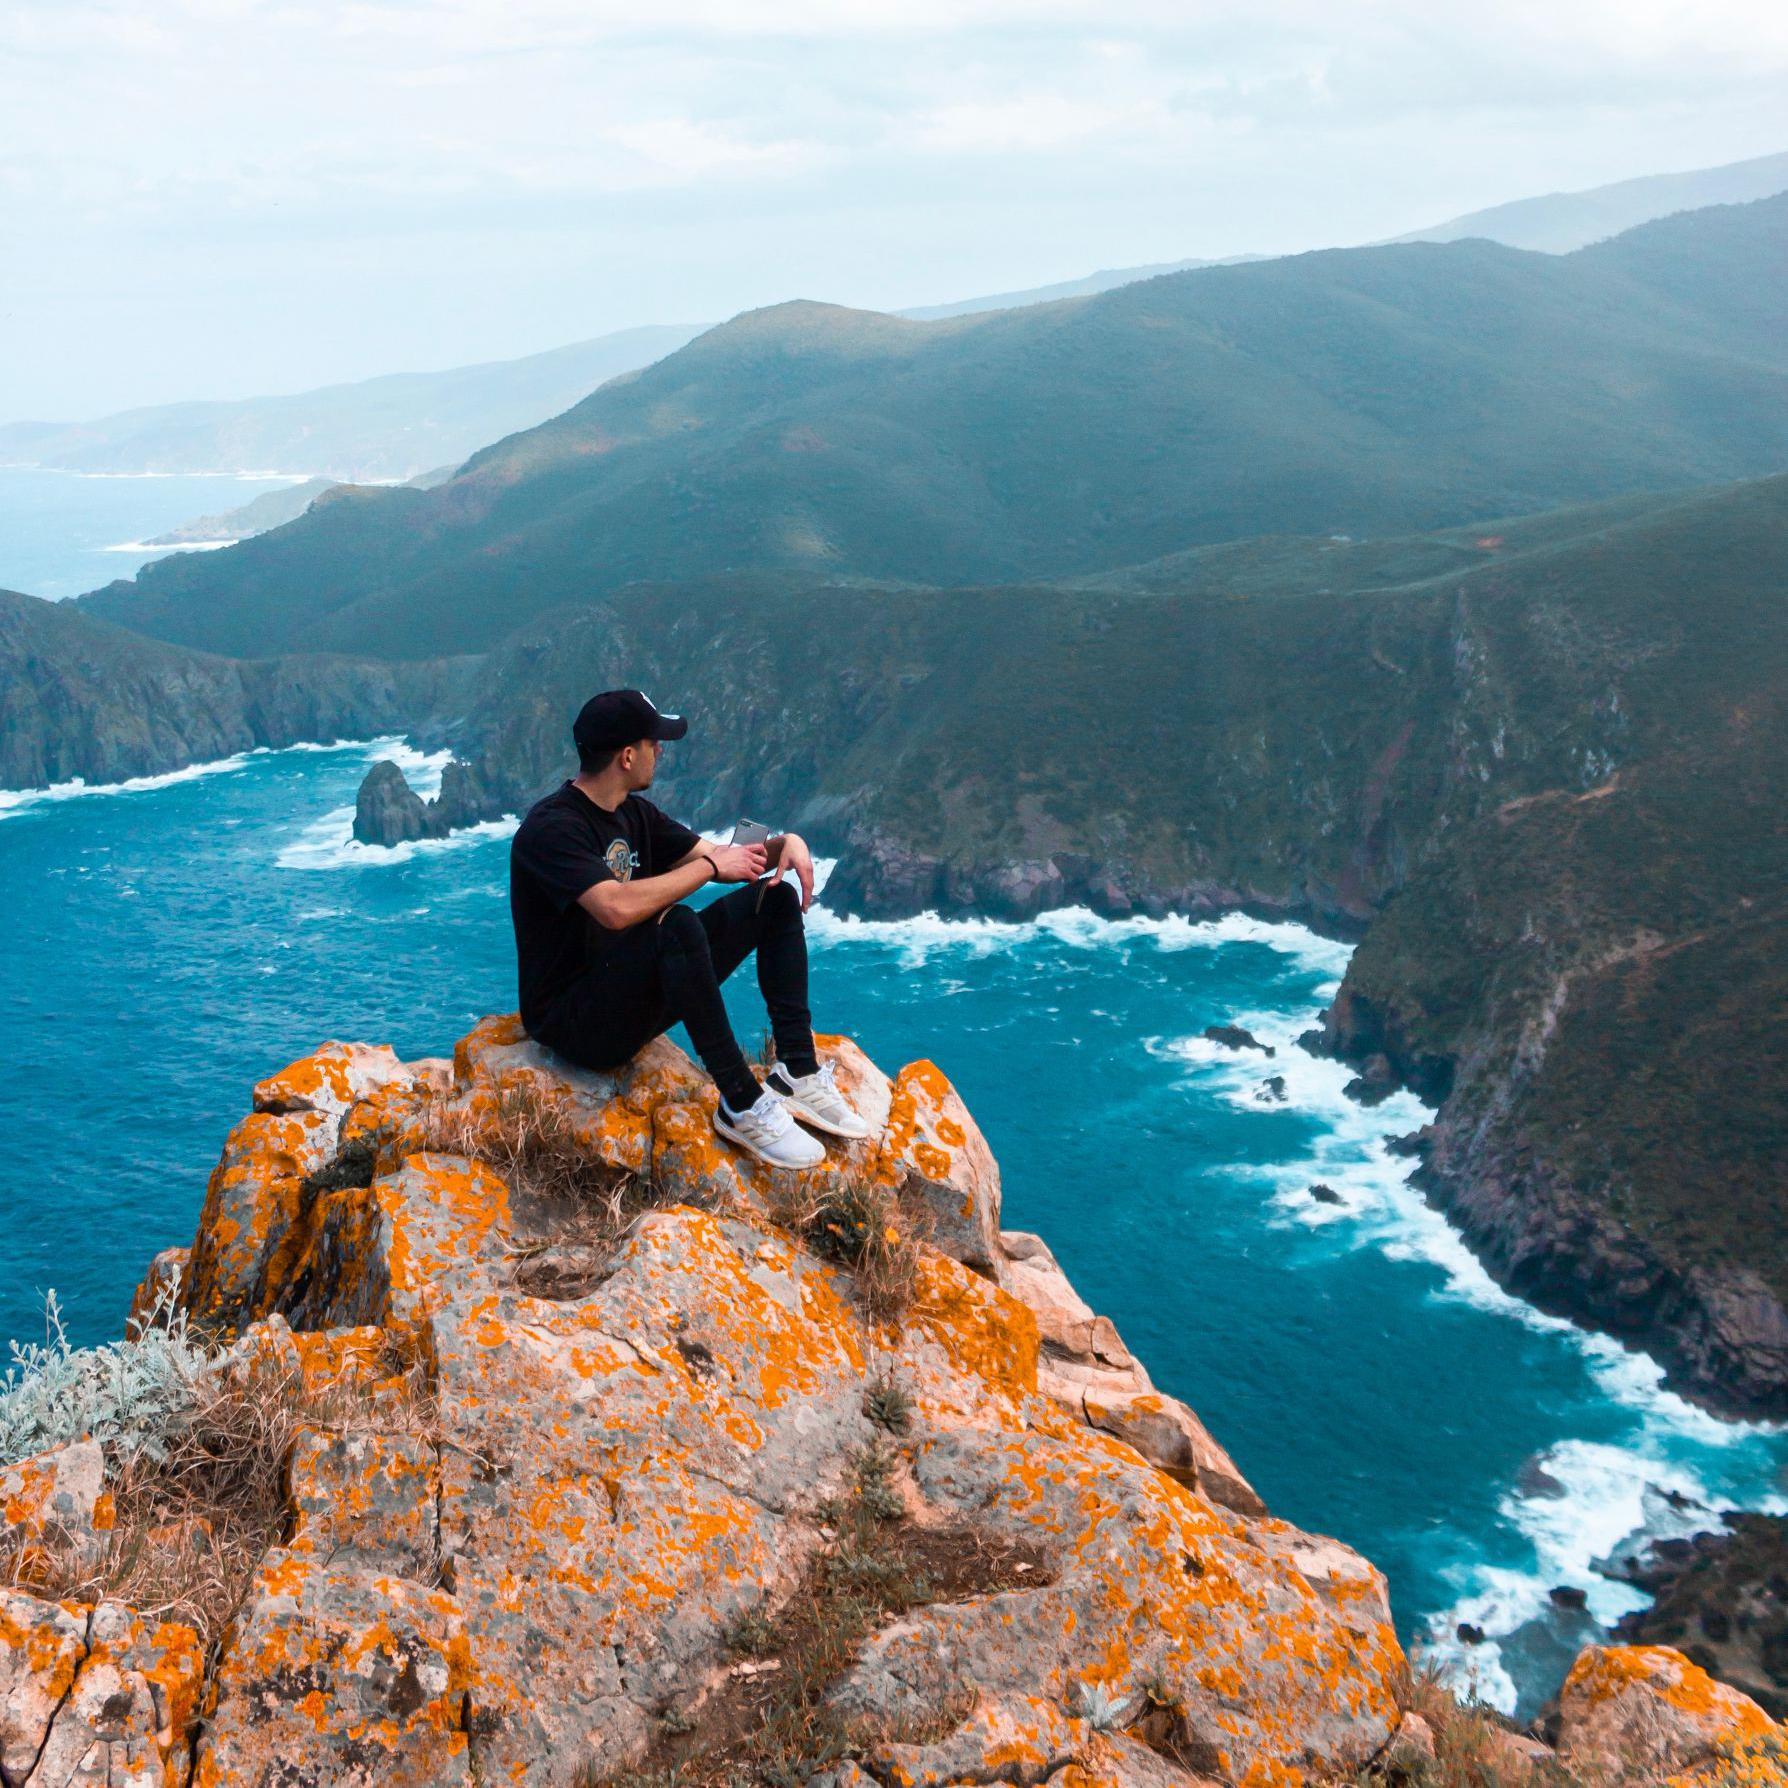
(620, 717)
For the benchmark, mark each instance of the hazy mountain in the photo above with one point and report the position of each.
(1358, 391)
(272, 509)
(391, 427)
(1562, 221)
(1106, 280)
(1555, 223)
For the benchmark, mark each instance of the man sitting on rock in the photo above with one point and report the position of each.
(610, 958)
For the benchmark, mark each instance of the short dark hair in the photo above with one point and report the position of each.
(597, 758)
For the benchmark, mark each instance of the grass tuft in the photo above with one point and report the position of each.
(888, 1403)
(196, 1512)
(856, 1221)
(547, 1160)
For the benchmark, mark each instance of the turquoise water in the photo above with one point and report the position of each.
(174, 940)
(62, 533)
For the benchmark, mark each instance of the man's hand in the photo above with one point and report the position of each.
(792, 853)
(739, 862)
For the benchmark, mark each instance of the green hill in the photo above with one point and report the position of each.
(82, 699)
(1363, 391)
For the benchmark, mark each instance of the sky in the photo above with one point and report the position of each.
(215, 198)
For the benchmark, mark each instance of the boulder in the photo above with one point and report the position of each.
(1411, 1752)
(127, 1719)
(1644, 1713)
(1086, 1368)
(935, 1150)
(41, 1648)
(618, 1465)
(163, 1283)
(56, 1502)
(1232, 1036)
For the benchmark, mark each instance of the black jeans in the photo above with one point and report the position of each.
(669, 970)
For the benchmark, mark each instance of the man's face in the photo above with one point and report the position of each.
(645, 756)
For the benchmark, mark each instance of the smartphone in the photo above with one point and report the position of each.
(750, 832)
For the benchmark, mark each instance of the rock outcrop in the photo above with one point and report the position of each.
(388, 811)
(634, 1447)
(660, 1421)
(1722, 1600)
(1644, 1713)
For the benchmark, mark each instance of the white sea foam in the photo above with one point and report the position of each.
(163, 549)
(329, 843)
(422, 769)
(19, 800)
(1609, 1491)
(925, 934)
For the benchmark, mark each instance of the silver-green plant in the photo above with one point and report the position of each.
(1099, 1707)
(132, 1396)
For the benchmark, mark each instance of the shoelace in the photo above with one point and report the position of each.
(772, 1119)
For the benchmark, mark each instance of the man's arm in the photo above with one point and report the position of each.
(618, 905)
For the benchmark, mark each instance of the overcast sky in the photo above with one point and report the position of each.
(209, 198)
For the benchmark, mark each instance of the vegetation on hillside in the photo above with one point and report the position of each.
(1362, 391)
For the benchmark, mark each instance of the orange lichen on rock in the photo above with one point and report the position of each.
(1645, 1712)
(986, 1335)
(626, 1455)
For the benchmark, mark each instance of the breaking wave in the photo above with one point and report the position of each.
(18, 800)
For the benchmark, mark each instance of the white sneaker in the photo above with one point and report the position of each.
(767, 1131)
(816, 1100)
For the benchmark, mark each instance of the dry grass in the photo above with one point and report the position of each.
(191, 1526)
(1750, 1763)
(1474, 1747)
(855, 1220)
(545, 1158)
(771, 1721)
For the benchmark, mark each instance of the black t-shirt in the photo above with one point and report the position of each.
(566, 845)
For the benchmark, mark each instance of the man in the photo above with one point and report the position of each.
(610, 958)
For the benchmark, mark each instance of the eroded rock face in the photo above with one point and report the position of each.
(1644, 1713)
(631, 1453)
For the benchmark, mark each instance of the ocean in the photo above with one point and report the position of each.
(62, 533)
(175, 938)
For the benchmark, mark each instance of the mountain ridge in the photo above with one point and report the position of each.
(1366, 391)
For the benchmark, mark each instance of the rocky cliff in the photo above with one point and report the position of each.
(601, 1452)
(1534, 761)
(81, 698)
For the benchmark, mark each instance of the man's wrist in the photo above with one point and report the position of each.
(714, 866)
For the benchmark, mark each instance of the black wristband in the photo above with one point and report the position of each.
(713, 866)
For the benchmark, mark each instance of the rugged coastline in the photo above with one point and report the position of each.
(1535, 780)
(498, 1424)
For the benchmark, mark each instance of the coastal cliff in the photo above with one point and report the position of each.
(1533, 768)
(1531, 763)
(595, 1451)
(588, 1452)
(82, 699)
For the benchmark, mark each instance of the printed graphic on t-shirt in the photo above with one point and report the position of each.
(621, 859)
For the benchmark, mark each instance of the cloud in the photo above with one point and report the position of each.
(725, 152)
